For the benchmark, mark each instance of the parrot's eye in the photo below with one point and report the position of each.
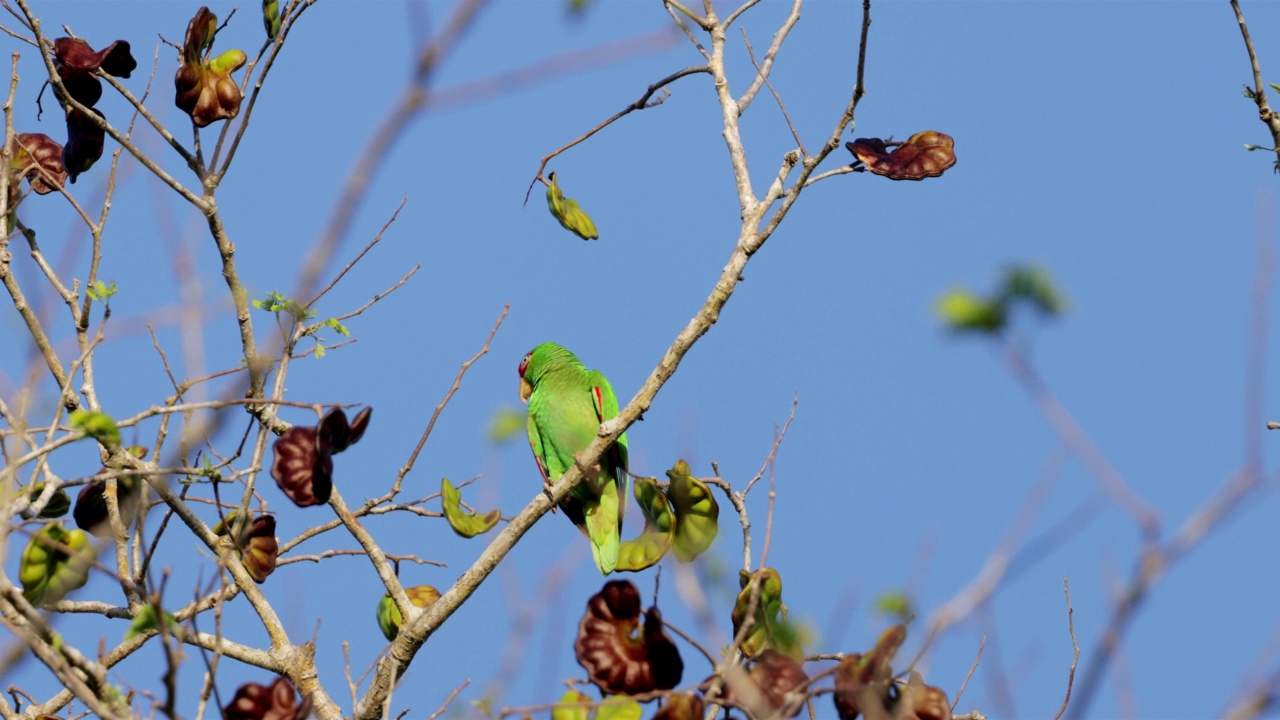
(524, 364)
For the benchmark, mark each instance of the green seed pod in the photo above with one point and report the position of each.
(57, 506)
(697, 512)
(55, 562)
(389, 618)
(659, 528)
(465, 523)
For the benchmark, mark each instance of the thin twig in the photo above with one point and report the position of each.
(763, 69)
(1257, 93)
(412, 100)
(457, 383)
(640, 104)
(968, 675)
(1071, 626)
(760, 72)
(1109, 480)
(376, 239)
(449, 700)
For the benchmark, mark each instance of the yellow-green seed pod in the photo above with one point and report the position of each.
(271, 17)
(567, 213)
(697, 513)
(55, 562)
(389, 618)
(659, 528)
(57, 506)
(464, 523)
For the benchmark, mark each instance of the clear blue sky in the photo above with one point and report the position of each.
(1101, 140)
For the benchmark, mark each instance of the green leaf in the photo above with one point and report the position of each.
(146, 621)
(658, 533)
(507, 422)
(896, 605)
(697, 512)
(1033, 285)
(55, 562)
(338, 327)
(276, 302)
(619, 707)
(465, 523)
(97, 425)
(573, 705)
(963, 311)
(1274, 87)
(100, 290)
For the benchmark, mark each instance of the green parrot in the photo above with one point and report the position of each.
(567, 403)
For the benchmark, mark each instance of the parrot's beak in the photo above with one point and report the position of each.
(526, 389)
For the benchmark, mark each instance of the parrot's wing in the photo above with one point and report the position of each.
(606, 404)
(535, 442)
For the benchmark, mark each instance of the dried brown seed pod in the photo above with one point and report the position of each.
(301, 469)
(259, 548)
(38, 158)
(203, 88)
(76, 61)
(681, 706)
(925, 154)
(90, 512)
(85, 142)
(276, 701)
(863, 680)
(617, 658)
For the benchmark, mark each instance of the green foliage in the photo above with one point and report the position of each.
(147, 620)
(966, 311)
(97, 425)
(507, 423)
(697, 512)
(1033, 285)
(619, 707)
(573, 705)
(276, 302)
(55, 562)
(101, 291)
(659, 529)
(207, 470)
(465, 523)
(279, 305)
(895, 605)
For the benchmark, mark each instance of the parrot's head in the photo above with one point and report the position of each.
(526, 387)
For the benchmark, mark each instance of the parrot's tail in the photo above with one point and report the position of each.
(604, 527)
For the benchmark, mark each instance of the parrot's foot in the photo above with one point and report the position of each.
(546, 489)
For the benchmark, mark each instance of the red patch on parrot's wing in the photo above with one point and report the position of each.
(599, 400)
(542, 468)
